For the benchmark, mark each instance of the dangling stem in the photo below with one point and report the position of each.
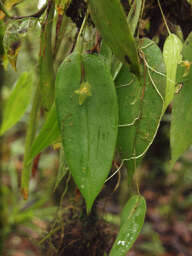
(136, 178)
(164, 17)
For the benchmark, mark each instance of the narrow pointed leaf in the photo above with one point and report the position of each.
(172, 56)
(134, 14)
(132, 220)
(88, 125)
(140, 103)
(30, 136)
(181, 119)
(132, 19)
(110, 19)
(47, 77)
(48, 134)
(17, 102)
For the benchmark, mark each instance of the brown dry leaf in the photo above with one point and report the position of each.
(13, 54)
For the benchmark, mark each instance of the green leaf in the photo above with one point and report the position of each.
(140, 102)
(46, 70)
(18, 102)
(106, 52)
(110, 19)
(132, 220)
(132, 19)
(181, 120)
(88, 130)
(48, 135)
(133, 16)
(30, 136)
(172, 56)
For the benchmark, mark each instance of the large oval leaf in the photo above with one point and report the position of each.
(110, 19)
(172, 56)
(88, 118)
(132, 220)
(140, 102)
(48, 135)
(17, 102)
(181, 120)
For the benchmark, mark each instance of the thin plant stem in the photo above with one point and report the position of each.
(168, 30)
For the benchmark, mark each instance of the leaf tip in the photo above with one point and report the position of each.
(89, 204)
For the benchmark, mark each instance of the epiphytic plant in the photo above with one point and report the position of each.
(106, 99)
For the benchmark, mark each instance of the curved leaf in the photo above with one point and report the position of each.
(88, 125)
(132, 219)
(48, 134)
(110, 19)
(46, 70)
(133, 16)
(181, 119)
(132, 19)
(17, 102)
(172, 56)
(140, 102)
